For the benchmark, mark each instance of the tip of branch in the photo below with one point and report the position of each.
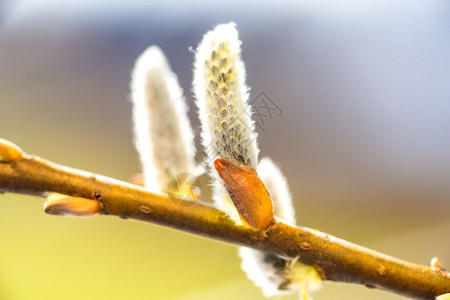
(9, 151)
(63, 205)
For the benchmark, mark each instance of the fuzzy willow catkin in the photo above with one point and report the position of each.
(222, 100)
(163, 134)
(230, 141)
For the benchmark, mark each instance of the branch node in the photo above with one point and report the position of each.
(99, 198)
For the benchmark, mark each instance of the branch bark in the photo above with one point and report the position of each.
(336, 259)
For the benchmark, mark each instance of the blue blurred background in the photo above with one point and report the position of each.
(364, 137)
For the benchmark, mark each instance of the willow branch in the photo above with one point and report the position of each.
(336, 259)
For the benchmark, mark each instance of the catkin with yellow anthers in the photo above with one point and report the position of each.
(222, 99)
(163, 134)
(277, 275)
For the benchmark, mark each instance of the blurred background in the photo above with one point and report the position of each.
(363, 136)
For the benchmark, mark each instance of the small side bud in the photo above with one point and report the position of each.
(9, 151)
(436, 264)
(248, 193)
(228, 130)
(64, 205)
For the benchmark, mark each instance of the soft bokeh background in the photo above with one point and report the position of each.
(364, 137)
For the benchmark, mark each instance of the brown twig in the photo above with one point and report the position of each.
(336, 259)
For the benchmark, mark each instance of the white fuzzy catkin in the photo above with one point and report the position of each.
(273, 274)
(228, 130)
(163, 134)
